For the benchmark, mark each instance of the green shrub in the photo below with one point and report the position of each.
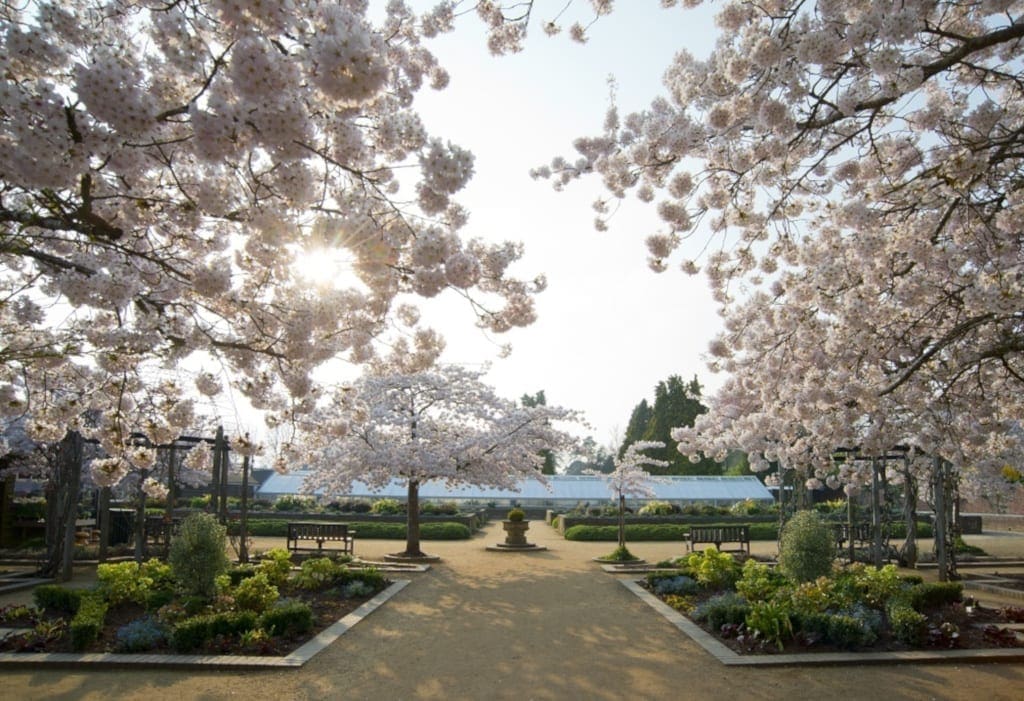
(807, 547)
(815, 597)
(771, 621)
(295, 503)
(369, 576)
(317, 573)
(232, 623)
(848, 631)
(276, 564)
(877, 585)
(619, 554)
(713, 569)
(238, 573)
(88, 621)
(197, 555)
(130, 581)
(747, 507)
(758, 581)
(442, 530)
(157, 598)
(287, 617)
(255, 593)
(444, 508)
(931, 595)
(264, 527)
(634, 532)
(355, 590)
(54, 597)
(720, 609)
(387, 506)
(764, 531)
(140, 635)
(679, 584)
(907, 625)
(190, 634)
(199, 502)
(657, 508)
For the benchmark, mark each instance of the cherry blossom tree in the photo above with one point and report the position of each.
(851, 171)
(630, 479)
(442, 424)
(164, 168)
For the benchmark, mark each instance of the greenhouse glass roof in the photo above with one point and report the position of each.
(574, 488)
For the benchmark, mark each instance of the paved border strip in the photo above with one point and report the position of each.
(729, 657)
(293, 660)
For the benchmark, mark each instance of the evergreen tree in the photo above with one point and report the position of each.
(637, 426)
(676, 403)
(532, 402)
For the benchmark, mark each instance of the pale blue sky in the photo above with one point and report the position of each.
(609, 329)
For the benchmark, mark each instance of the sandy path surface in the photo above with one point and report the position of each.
(521, 626)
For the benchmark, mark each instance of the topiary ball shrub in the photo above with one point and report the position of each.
(807, 547)
(197, 555)
(516, 515)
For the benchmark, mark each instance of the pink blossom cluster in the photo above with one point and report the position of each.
(630, 479)
(855, 167)
(162, 165)
(441, 423)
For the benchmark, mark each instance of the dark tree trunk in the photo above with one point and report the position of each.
(908, 553)
(876, 515)
(103, 518)
(243, 525)
(140, 519)
(63, 509)
(622, 522)
(412, 521)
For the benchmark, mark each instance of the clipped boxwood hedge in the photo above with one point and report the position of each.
(634, 531)
(679, 531)
(444, 530)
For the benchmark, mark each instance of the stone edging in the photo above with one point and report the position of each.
(729, 657)
(293, 660)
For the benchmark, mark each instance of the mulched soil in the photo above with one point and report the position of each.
(328, 607)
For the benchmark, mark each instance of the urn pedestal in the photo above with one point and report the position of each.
(515, 532)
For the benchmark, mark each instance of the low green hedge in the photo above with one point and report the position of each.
(634, 532)
(435, 530)
(680, 531)
(88, 621)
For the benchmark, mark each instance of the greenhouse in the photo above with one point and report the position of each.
(560, 491)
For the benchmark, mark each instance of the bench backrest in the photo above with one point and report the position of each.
(719, 533)
(317, 531)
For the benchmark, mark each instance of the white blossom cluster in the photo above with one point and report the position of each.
(442, 423)
(629, 478)
(161, 167)
(855, 167)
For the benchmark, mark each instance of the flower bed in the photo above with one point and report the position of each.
(263, 610)
(755, 609)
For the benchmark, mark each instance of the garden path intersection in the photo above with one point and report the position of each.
(532, 625)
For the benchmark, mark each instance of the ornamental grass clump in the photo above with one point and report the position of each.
(807, 547)
(197, 555)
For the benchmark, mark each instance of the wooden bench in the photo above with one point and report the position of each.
(159, 531)
(859, 537)
(716, 535)
(860, 533)
(336, 535)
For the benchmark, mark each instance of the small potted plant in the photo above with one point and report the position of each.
(515, 527)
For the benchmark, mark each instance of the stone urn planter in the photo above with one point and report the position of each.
(515, 527)
(515, 532)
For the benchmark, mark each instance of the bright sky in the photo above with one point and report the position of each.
(609, 329)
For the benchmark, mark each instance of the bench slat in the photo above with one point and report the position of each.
(321, 533)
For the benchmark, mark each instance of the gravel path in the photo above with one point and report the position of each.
(521, 626)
